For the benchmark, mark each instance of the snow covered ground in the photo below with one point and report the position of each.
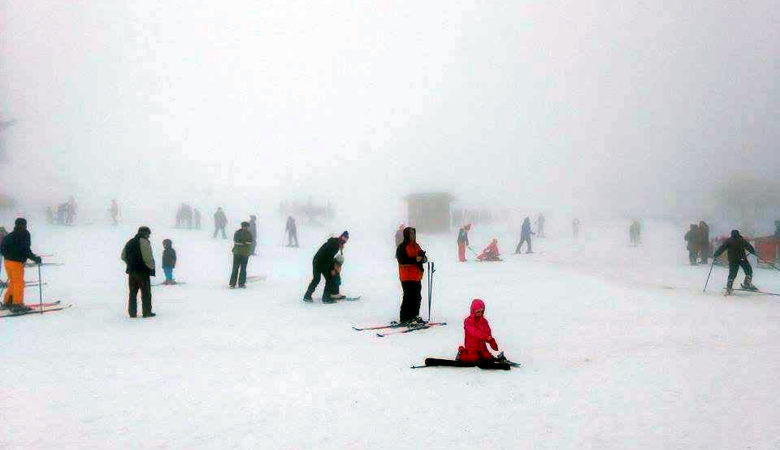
(620, 348)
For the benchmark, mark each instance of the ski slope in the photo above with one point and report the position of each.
(620, 347)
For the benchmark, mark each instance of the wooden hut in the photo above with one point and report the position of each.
(429, 212)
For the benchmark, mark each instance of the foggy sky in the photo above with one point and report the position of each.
(635, 106)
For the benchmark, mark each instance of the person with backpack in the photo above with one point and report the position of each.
(137, 254)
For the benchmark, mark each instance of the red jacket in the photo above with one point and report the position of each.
(478, 334)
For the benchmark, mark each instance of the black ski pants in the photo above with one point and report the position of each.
(524, 239)
(410, 305)
(239, 270)
(292, 235)
(734, 269)
(317, 275)
(136, 282)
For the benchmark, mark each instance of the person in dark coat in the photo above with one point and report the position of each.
(253, 231)
(220, 222)
(322, 265)
(292, 232)
(735, 246)
(242, 249)
(15, 248)
(138, 256)
(168, 261)
(525, 236)
(692, 238)
(777, 228)
(410, 259)
(704, 242)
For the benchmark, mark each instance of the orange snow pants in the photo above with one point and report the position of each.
(461, 252)
(14, 295)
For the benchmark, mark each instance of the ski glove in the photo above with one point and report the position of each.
(493, 344)
(37, 260)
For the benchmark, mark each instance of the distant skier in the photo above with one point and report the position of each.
(735, 247)
(399, 235)
(242, 248)
(168, 261)
(477, 336)
(292, 232)
(322, 265)
(410, 259)
(692, 238)
(540, 225)
(634, 232)
(704, 242)
(463, 242)
(575, 227)
(253, 232)
(525, 236)
(220, 222)
(71, 218)
(15, 248)
(490, 253)
(114, 210)
(196, 213)
(138, 256)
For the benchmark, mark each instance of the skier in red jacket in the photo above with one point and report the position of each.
(478, 336)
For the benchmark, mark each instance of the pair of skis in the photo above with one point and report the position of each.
(399, 328)
(499, 363)
(756, 291)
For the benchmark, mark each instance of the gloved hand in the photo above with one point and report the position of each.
(37, 260)
(153, 273)
(493, 344)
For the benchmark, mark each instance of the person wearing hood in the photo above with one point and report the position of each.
(410, 259)
(704, 242)
(323, 266)
(735, 246)
(138, 256)
(15, 248)
(692, 238)
(399, 235)
(168, 261)
(242, 249)
(525, 236)
(490, 253)
(253, 232)
(463, 242)
(477, 336)
(220, 222)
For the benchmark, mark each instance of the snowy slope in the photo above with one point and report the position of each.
(620, 347)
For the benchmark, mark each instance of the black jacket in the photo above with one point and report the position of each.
(526, 230)
(169, 257)
(735, 248)
(133, 256)
(16, 246)
(323, 259)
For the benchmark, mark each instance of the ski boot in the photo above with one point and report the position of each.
(20, 308)
(748, 284)
(308, 299)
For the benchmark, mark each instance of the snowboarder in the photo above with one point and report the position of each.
(168, 261)
(540, 225)
(477, 336)
(399, 235)
(490, 253)
(253, 232)
(196, 213)
(463, 242)
(525, 236)
(735, 247)
(692, 238)
(322, 265)
(242, 248)
(292, 232)
(704, 242)
(15, 248)
(220, 222)
(410, 259)
(114, 212)
(138, 256)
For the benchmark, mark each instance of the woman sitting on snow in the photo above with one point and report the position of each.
(490, 253)
(478, 336)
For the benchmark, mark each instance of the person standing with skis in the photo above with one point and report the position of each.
(463, 242)
(410, 259)
(138, 256)
(15, 248)
(735, 247)
(525, 236)
(323, 266)
(242, 248)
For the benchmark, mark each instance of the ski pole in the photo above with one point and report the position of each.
(767, 262)
(429, 291)
(708, 275)
(40, 290)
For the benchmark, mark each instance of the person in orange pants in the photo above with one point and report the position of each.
(15, 248)
(463, 242)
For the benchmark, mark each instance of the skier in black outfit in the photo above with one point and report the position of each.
(525, 236)
(138, 256)
(242, 248)
(735, 247)
(322, 266)
(410, 259)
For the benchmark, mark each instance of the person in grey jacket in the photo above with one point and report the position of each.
(138, 256)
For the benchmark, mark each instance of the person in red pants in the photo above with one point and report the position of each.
(463, 242)
(478, 336)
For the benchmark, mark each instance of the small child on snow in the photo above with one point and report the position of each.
(478, 336)
(168, 261)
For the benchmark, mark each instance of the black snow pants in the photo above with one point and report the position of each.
(239, 270)
(410, 306)
(524, 239)
(734, 269)
(317, 275)
(136, 282)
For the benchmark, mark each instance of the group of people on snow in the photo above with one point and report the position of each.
(188, 217)
(698, 243)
